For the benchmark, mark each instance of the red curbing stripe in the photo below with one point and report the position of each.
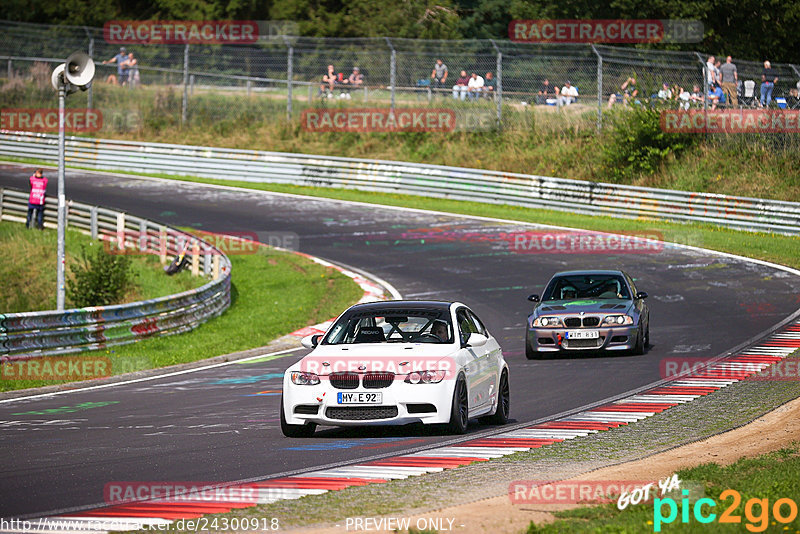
(145, 514)
(532, 443)
(311, 485)
(680, 390)
(745, 358)
(421, 463)
(614, 424)
(640, 405)
(339, 479)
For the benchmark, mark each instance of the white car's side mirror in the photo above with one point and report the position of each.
(310, 342)
(477, 340)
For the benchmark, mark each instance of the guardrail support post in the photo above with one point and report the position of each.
(207, 262)
(392, 70)
(289, 76)
(144, 239)
(185, 103)
(195, 258)
(93, 221)
(499, 89)
(162, 245)
(215, 267)
(121, 231)
(599, 89)
(249, 85)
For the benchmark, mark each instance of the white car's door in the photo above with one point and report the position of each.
(479, 377)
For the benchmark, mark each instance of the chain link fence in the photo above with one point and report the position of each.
(231, 86)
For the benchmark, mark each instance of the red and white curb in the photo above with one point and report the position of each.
(718, 375)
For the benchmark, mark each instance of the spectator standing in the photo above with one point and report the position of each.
(768, 80)
(545, 92)
(121, 60)
(133, 71)
(36, 200)
(489, 85)
(711, 72)
(439, 75)
(729, 78)
(461, 86)
(568, 94)
(475, 86)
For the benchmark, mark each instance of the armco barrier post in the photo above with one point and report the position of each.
(162, 245)
(215, 267)
(93, 221)
(121, 231)
(195, 258)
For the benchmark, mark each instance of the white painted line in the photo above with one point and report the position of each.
(706, 383)
(663, 398)
(148, 378)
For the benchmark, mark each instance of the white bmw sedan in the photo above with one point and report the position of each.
(397, 362)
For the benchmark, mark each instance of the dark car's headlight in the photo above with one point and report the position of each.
(548, 322)
(302, 378)
(617, 320)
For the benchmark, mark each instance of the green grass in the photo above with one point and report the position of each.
(28, 270)
(771, 476)
(272, 293)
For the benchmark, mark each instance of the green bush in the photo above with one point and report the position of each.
(637, 145)
(99, 278)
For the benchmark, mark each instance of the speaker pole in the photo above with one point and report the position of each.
(62, 203)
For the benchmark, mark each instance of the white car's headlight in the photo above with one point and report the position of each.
(425, 377)
(302, 378)
(548, 322)
(617, 320)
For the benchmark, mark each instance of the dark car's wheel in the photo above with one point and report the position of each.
(638, 349)
(296, 431)
(500, 416)
(647, 335)
(459, 414)
(530, 353)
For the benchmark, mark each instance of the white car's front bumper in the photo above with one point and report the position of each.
(401, 403)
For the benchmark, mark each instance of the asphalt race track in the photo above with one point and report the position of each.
(221, 424)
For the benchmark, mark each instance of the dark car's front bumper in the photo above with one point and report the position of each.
(555, 339)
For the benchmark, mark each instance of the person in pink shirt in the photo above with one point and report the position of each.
(36, 199)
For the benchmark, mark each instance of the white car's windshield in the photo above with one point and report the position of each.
(392, 326)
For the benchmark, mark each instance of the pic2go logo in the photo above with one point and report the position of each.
(756, 511)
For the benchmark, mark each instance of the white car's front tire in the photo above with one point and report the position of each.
(295, 431)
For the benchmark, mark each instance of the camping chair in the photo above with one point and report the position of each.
(749, 95)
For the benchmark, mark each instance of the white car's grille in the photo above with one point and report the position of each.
(375, 380)
(361, 413)
(344, 380)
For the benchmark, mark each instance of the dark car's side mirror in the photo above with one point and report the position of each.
(641, 295)
(533, 298)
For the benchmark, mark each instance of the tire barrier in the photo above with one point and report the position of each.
(33, 334)
(576, 196)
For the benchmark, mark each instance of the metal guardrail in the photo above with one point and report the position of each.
(34, 334)
(576, 196)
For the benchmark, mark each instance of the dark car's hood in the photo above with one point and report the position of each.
(569, 307)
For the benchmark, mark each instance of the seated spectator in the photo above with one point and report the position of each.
(328, 82)
(683, 97)
(629, 91)
(475, 86)
(665, 93)
(545, 92)
(461, 87)
(356, 79)
(489, 85)
(697, 96)
(716, 96)
(568, 94)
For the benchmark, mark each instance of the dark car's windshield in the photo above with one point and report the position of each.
(392, 326)
(587, 286)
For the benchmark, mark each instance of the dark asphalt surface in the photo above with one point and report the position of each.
(219, 425)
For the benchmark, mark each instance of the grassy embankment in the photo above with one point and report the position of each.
(272, 292)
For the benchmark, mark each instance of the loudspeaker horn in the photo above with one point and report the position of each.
(79, 69)
(56, 78)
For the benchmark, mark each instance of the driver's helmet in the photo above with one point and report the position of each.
(568, 292)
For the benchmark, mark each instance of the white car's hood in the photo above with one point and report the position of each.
(398, 358)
